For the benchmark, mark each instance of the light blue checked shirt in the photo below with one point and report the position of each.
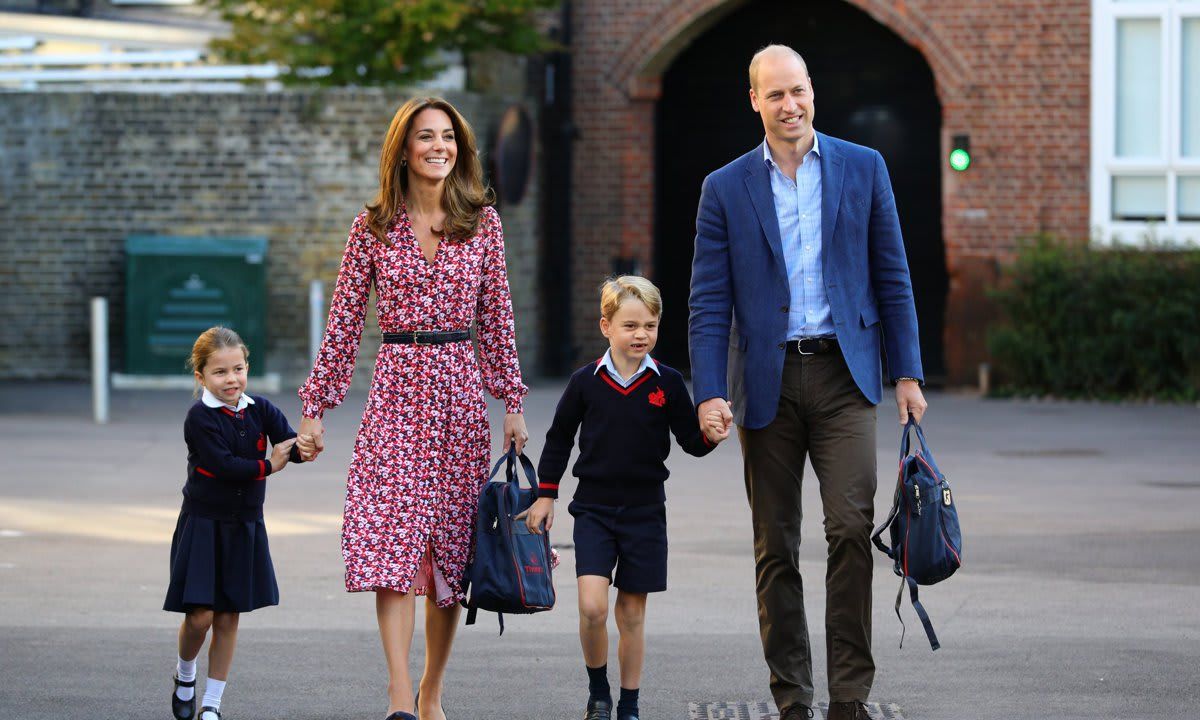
(798, 209)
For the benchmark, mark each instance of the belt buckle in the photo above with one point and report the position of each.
(800, 347)
(417, 339)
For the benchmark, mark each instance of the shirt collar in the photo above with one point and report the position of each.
(213, 401)
(816, 148)
(606, 362)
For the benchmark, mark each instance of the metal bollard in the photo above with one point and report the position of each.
(316, 317)
(100, 360)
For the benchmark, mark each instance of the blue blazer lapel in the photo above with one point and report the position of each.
(758, 183)
(831, 192)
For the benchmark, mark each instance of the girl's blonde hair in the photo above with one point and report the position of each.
(209, 342)
(465, 194)
(615, 291)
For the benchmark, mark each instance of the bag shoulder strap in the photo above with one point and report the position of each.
(892, 515)
(473, 612)
(934, 644)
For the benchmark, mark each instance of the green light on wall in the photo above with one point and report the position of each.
(960, 154)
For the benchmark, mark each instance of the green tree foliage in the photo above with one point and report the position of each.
(1087, 322)
(371, 42)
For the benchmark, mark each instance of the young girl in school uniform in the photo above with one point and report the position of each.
(220, 562)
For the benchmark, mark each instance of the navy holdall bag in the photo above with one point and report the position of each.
(926, 538)
(511, 569)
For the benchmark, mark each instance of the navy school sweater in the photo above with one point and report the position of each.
(227, 453)
(624, 436)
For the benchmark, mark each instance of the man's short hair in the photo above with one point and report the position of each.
(771, 49)
(617, 290)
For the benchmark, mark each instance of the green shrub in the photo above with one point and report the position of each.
(1084, 322)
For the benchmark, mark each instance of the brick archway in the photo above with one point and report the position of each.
(638, 72)
(1014, 75)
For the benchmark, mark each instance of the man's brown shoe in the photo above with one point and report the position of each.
(847, 711)
(796, 712)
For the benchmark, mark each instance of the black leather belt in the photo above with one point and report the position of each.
(812, 346)
(427, 337)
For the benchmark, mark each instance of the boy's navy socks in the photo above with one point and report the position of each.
(598, 688)
(628, 704)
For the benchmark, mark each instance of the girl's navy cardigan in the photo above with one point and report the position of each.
(227, 453)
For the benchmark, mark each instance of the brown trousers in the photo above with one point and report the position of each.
(822, 414)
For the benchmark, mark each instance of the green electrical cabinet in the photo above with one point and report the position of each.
(178, 287)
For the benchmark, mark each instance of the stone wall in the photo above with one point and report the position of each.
(79, 172)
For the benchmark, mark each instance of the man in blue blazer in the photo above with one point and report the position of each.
(798, 278)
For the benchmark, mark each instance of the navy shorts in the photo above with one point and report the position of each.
(631, 538)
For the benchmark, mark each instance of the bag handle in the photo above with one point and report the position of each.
(924, 453)
(509, 459)
(904, 438)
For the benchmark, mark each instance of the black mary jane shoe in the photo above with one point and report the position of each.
(183, 709)
(210, 711)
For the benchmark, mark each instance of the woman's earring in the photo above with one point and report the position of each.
(403, 162)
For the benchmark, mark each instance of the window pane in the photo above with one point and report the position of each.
(1191, 88)
(1139, 198)
(1189, 198)
(1139, 100)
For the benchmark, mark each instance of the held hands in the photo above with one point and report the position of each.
(715, 419)
(541, 511)
(910, 399)
(714, 427)
(279, 454)
(311, 438)
(514, 431)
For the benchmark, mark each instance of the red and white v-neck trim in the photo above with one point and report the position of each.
(646, 375)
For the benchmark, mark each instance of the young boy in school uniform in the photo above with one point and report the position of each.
(625, 406)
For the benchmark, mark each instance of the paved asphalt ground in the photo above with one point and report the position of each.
(1080, 597)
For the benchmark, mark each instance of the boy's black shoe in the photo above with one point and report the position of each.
(183, 709)
(627, 716)
(598, 710)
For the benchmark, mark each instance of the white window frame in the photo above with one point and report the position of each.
(1170, 164)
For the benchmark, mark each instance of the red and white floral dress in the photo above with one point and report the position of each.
(422, 451)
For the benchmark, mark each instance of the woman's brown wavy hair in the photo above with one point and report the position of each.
(464, 193)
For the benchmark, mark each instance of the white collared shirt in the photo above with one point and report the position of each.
(606, 362)
(214, 402)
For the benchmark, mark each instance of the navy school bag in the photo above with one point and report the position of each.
(511, 569)
(926, 538)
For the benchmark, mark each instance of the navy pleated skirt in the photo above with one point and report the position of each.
(224, 565)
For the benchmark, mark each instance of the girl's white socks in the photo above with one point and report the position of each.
(213, 689)
(185, 670)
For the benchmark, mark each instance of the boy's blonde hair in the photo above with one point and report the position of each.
(615, 291)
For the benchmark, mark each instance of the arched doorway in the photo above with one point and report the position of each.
(870, 87)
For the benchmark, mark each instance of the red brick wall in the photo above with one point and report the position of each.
(1014, 74)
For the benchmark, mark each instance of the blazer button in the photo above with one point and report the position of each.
(783, 309)
(242, 433)
(782, 345)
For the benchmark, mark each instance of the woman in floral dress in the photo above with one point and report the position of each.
(433, 249)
